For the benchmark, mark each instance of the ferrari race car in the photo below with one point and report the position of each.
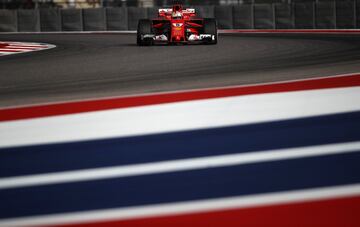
(176, 25)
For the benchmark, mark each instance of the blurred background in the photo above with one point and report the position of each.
(33, 4)
(123, 15)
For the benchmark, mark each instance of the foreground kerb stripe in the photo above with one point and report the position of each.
(26, 112)
(336, 199)
(176, 187)
(334, 212)
(179, 116)
(177, 165)
(335, 129)
(223, 191)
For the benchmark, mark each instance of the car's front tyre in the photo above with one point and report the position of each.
(144, 28)
(210, 27)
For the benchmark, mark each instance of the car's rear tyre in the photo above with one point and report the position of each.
(144, 28)
(210, 27)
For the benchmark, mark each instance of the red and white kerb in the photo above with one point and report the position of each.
(7, 48)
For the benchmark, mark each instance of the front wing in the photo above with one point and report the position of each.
(190, 39)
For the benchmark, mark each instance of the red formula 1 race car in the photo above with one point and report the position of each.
(177, 25)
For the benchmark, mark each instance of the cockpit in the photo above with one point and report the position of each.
(177, 12)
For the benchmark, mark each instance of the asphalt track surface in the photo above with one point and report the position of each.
(99, 65)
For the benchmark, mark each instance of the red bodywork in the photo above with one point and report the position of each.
(177, 24)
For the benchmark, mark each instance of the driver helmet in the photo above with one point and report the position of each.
(176, 15)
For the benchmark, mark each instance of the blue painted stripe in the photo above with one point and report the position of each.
(229, 140)
(238, 180)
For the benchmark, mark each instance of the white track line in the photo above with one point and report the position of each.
(189, 207)
(27, 45)
(5, 53)
(177, 165)
(172, 117)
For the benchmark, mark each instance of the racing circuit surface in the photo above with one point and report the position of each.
(101, 65)
(275, 154)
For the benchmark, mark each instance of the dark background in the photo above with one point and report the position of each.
(31, 4)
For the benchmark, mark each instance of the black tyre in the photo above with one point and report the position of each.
(144, 28)
(210, 27)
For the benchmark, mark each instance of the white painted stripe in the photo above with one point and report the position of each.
(177, 165)
(171, 117)
(29, 46)
(218, 204)
(23, 43)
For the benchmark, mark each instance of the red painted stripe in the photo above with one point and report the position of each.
(310, 31)
(8, 50)
(335, 212)
(21, 48)
(123, 102)
(20, 45)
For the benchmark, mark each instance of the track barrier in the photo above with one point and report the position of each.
(152, 12)
(304, 14)
(325, 15)
(357, 9)
(28, 20)
(320, 15)
(224, 17)
(243, 16)
(264, 16)
(94, 19)
(205, 11)
(71, 20)
(345, 14)
(134, 14)
(117, 19)
(8, 20)
(284, 16)
(50, 20)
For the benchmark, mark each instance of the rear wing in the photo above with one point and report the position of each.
(168, 12)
